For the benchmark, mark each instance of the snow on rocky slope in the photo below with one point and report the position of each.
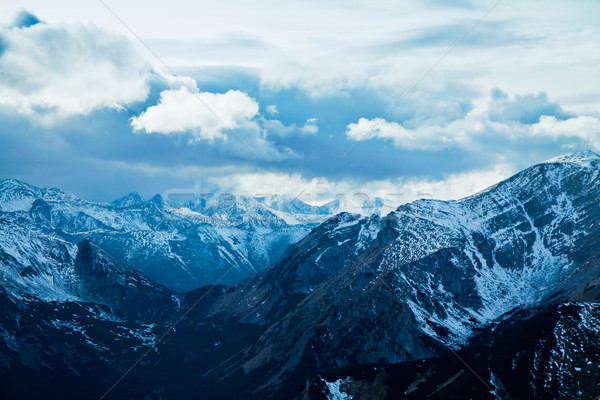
(509, 246)
(72, 316)
(425, 277)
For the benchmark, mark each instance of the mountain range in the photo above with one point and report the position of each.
(492, 296)
(182, 245)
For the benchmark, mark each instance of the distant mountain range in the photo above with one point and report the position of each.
(493, 296)
(182, 245)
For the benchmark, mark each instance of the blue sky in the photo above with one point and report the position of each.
(319, 98)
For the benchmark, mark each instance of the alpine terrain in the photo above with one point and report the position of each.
(493, 296)
(182, 245)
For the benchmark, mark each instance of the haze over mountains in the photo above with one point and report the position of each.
(356, 307)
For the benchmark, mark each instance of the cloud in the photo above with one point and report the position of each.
(352, 193)
(378, 128)
(203, 115)
(586, 128)
(526, 109)
(310, 127)
(231, 121)
(426, 138)
(514, 120)
(25, 20)
(61, 71)
(331, 48)
(489, 34)
(276, 127)
(272, 109)
(537, 51)
(456, 3)
(422, 107)
(251, 142)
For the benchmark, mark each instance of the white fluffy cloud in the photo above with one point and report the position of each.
(586, 128)
(204, 115)
(425, 138)
(69, 70)
(476, 127)
(184, 110)
(378, 128)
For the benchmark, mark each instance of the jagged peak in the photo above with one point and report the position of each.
(344, 217)
(583, 159)
(15, 183)
(16, 195)
(130, 199)
(158, 200)
(133, 195)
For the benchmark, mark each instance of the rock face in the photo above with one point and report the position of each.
(362, 307)
(545, 353)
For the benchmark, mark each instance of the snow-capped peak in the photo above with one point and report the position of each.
(129, 200)
(158, 200)
(583, 158)
(17, 196)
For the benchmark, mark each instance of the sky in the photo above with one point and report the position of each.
(315, 99)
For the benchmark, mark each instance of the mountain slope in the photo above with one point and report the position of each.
(425, 277)
(546, 353)
(72, 316)
(39, 267)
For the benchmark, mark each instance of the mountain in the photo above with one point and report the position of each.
(360, 290)
(132, 199)
(46, 268)
(491, 296)
(70, 314)
(215, 238)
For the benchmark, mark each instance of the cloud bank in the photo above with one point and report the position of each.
(352, 193)
(52, 73)
(521, 118)
(293, 92)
